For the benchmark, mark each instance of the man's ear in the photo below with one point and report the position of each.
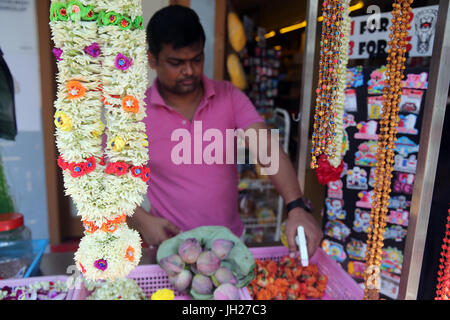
(152, 61)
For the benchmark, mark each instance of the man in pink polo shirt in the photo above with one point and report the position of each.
(187, 116)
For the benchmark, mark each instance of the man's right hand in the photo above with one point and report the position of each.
(153, 229)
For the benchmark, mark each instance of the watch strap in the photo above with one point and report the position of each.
(298, 203)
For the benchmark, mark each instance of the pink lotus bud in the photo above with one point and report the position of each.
(223, 275)
(222, 248)
(207, 263)
(182, 280)
(202, 284)
(189, 250)
(172, 264)
(226, 291)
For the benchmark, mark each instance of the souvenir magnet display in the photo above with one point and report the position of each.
(356, 249)
(405, 146)
(367, 130)
(337, 230)
(399, 217)
(334, 209)
(362, 220)
(366, 154)
(355, 77)
(350, 101)
(407, 123)
(334, 250)
(411, 100)
(357, 179)
(374, 107)
(405, 164)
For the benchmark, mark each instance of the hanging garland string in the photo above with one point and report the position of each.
(329, 111)
(100, 49)
(443, 285)
(386, 145)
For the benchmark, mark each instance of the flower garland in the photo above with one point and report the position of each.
(120, 289)
(100, 49)
(328, 119)
(386, 145)
(443, 285)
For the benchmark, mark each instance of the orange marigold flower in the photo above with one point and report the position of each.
(90, 226)
(109, 226)
(263, 294)
(129, 255)
(75, 90)
(130, 104)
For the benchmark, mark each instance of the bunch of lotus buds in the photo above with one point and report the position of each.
(199, 269)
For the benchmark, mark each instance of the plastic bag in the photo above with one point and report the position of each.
(240, 259)
(8, 125)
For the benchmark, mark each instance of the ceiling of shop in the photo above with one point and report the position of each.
(272, 14)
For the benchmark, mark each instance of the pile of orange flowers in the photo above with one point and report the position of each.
(286, 280)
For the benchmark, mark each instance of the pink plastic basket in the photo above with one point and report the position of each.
(340, 286)
(14, 283)
(151, 278)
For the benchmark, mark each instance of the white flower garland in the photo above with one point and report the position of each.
(100, 47)
(335, 149)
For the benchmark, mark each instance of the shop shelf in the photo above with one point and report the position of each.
(150, 278)
(341, 285)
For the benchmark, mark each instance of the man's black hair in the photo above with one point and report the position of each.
(176, 25)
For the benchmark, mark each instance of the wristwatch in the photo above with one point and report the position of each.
(301, 202)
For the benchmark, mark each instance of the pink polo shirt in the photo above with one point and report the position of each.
(196, 192)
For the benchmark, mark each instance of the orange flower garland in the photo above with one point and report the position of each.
(386, 145)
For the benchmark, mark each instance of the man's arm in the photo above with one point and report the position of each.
(284, 178)
(153, 229)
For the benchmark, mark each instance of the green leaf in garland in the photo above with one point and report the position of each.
(74, 10)
(125, 23)
(61, 11)
(139, 23)
(88, 13)
(111, 18)
(100, 18)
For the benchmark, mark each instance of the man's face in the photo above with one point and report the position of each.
(179, 70)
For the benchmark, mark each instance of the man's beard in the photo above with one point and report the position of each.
(179, 88)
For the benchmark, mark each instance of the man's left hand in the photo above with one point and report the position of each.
(313, 233)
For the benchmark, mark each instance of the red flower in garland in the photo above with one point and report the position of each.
(110, 168)
(326, 172)
(146, 175)
(77, 169)
(91, 164)
(118, 168)
(121, 168)
(137, 171)
(102, 161)
(63, 164)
